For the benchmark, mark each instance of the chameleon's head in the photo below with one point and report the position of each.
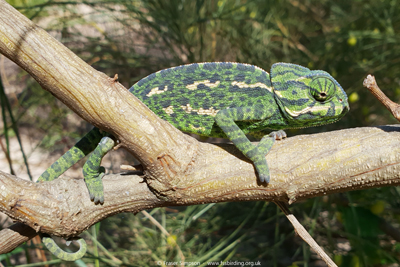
(307, 98)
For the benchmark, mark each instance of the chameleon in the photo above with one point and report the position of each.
(221, 99)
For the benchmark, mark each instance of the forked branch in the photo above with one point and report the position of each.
(178, 170)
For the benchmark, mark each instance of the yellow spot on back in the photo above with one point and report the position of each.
(156, 91)
(210, 112)
(278, 93)
(252, 85)
(194, 85)
(169, 110)
(201, 129)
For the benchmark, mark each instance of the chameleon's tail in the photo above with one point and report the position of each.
(84, 146)
(58, 252)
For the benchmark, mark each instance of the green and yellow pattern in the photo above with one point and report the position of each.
(221, 99)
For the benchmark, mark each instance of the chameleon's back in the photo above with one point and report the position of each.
(190, 96)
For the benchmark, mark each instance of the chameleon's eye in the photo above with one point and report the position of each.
(322, 88)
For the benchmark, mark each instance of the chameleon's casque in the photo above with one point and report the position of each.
(307, 98)
(221, 99)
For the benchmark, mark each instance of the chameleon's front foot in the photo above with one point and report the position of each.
(263, 147)
(262, 171)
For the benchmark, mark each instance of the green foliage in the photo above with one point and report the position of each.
(133, 38)
(202, 233)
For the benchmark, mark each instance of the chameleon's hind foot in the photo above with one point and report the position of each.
(95, 187)
(93, 172)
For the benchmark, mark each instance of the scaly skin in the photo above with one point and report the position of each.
(228, 100)
(231, 100)
(72, 156)
(93, 172)
(77, 152)
(57, 251)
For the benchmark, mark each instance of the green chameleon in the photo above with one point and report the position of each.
(220, 99)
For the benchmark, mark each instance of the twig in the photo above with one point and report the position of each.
(165, 232)
(302, 232)
(372, 86)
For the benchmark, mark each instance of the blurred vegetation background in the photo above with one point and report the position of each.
(134, 38)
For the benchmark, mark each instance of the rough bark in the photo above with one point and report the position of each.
(178, 170)
(302, 167)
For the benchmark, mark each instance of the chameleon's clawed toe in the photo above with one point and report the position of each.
(264, 178)
(97, 199)
(263, 173)
(95, 188)
(278, 135)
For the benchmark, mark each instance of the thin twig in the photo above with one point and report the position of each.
(165, 232)
(372, 86)
(302, 232)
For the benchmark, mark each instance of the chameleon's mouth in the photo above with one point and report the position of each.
(310, 116)
(306, 110)
(311, 110)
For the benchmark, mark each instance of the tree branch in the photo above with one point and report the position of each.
(178, 170)
(302, 167)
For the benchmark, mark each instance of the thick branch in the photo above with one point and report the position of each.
(301, 167)
(92, 95)
(178, 170)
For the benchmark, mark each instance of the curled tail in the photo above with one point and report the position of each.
(59, 253)
(84, 146)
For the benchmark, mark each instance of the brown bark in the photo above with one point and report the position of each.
(301, 167)
(178, 170)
